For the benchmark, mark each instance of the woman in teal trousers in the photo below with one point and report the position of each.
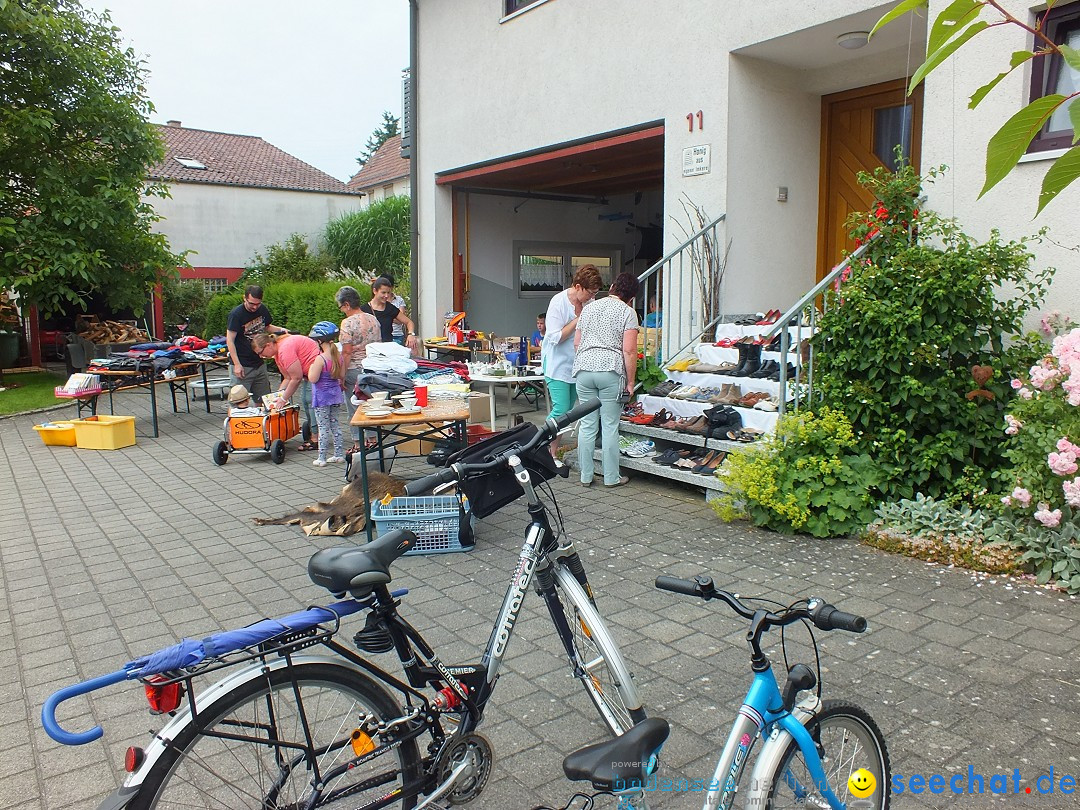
(605, 363)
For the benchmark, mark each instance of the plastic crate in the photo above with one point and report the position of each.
(57, 434)
(104, 432)
(434, 519)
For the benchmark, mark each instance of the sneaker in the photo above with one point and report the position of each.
(319, 462)
(335, 460)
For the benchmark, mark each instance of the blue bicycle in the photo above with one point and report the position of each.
(813, 754)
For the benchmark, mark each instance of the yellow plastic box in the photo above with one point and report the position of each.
(104, 432)
(57, 434)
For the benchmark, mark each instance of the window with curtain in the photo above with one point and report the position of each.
(544, 268)
(1050, 74)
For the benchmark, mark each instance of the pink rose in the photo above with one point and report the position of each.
(1072, 492)
(1062, 463)
(1017, 384)
(1022, 496)
(1065, 446)
(1047, 518)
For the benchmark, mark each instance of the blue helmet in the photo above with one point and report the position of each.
(324, 330)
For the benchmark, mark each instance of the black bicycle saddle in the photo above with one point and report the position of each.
(357, 569)
(620, 763)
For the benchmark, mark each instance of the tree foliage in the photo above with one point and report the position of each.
(291, 260)
(75, 147)
(374, 241)
(963, 20)
(389, 127)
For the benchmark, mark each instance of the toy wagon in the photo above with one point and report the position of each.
(260, 433)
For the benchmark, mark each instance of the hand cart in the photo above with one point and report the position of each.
(265, 433)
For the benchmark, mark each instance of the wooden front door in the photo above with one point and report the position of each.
(860, 130)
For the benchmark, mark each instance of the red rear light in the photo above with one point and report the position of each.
(133, 758)
(162, 699)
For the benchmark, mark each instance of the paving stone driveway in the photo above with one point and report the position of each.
(109, 555)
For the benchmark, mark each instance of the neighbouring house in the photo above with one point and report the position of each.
(556, 132)
(233, 195)
(386, 174)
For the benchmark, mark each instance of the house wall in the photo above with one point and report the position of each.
(956, 136)
(569, 70)
(399, 188)
(224, 226)
(495, 223)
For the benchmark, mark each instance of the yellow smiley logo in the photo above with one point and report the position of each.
(861, 783)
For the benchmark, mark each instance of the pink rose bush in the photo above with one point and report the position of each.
(1042, 428)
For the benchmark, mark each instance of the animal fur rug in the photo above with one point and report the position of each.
(345, 514)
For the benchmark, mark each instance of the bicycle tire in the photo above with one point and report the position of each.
(607, 680)
(848, 739)
(212, 772)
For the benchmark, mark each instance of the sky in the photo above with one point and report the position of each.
(311, 78)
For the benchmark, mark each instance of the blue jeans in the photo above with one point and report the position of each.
(605, 385)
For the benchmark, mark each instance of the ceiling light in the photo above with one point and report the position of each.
(853, 40)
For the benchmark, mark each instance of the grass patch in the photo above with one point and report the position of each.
(29, 392)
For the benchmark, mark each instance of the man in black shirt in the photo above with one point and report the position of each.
(246, 321)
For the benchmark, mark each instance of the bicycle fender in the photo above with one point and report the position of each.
(205, 699)
(768, 761)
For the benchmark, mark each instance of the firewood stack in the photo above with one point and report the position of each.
(113, 332)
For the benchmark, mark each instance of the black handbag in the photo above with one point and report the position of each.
(491, 491)
(721, 420)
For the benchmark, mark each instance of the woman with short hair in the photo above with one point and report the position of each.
(357, 330)
(605, 367)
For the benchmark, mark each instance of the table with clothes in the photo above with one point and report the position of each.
(147, 365)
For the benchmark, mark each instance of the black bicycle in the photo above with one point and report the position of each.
(299, 720)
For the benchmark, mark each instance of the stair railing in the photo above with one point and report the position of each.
(687, 282)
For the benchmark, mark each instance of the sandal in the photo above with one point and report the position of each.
(308, 446)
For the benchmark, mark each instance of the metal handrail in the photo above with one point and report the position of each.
(673, 334)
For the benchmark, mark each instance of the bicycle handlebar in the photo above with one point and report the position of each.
(823, 615)
(459, 471)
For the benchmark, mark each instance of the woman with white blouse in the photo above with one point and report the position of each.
(605, 367)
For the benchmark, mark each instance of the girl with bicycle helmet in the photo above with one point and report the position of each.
(327, 378)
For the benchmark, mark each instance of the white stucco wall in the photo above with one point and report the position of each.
(571, 70)
(956, 136)
(398, 188)
(224, 226)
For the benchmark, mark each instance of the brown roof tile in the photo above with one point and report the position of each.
(386, 164)
(237, 160)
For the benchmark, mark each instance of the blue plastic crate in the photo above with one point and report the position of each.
(434, 519)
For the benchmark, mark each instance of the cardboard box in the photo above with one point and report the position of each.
(419, 447)
(479, 408)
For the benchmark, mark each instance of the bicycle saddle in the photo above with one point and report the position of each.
(620, 763)
(357, 569)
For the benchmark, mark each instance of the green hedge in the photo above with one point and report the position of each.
(295, 305)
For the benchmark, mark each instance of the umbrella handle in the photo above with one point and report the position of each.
(48, 711)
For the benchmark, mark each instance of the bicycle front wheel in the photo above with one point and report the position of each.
(847, 740)
(606, 677)
(270, 742)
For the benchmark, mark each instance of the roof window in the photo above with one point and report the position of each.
(190, 163)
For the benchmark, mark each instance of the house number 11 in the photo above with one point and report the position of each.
(700, 120)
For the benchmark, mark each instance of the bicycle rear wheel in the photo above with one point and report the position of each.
(847, 739)
(264, 759)
(607, 679)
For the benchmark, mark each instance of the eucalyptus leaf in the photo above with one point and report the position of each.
(1063, 171)
(1018, 58)
(899, 11)
(1010, 142)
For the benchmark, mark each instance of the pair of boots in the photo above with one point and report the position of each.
(749, 360)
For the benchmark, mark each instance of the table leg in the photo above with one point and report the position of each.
(205, 386)
(153, 402)
(509, 405)
(367, 494)
(491, 404)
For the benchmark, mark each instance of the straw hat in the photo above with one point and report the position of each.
(238, 394)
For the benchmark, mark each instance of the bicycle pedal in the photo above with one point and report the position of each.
(375, 637)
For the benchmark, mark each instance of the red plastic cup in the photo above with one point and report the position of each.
(421, 395)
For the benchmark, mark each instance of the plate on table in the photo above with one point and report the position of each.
(409, 395)
(377, 413)
(413, 409)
